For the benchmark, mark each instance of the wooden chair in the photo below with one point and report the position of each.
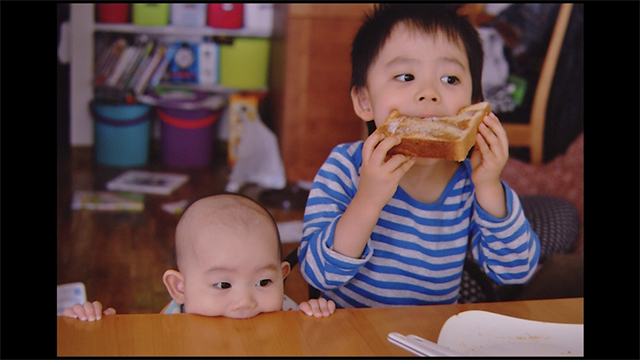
(531, 135)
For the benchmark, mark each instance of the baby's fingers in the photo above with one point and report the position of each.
(109, 311)
(318, 307)
(77, 311)
(90, 311)
(69, 312)
(93, 310)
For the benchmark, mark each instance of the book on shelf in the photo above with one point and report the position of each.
(108, 201)
(145, 77)
(138, 66)
(121, 65)
(161, 70)
(107, 60)
(123, 70)
(147, 182)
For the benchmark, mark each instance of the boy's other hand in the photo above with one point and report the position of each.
(491, 152)
(318, 307)
(89, 311)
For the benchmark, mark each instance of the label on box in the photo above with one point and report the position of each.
(208, 61)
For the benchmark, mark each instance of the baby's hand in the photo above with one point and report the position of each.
(318, 307)
(88, 311)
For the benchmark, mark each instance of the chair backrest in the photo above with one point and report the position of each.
(545, 81)
(531, 135)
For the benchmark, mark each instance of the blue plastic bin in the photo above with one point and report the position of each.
(121, 133)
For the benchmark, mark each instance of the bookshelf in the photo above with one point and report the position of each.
(83, 37)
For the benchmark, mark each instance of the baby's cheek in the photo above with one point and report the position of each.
(273, 302)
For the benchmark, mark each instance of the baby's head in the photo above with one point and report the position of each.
(229, 255)
(423, 29)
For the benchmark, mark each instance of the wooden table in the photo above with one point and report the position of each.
(347, 332)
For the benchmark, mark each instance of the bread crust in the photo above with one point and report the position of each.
(449, 137)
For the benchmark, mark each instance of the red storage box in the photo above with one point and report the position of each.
(113, 13)
(225, 16)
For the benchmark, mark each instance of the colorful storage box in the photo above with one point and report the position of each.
(150, 14)
(245, 63)
(113, 13)
(225, 16)
(189, 14)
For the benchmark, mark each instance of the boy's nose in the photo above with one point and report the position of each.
(428, 92)
(428, 95)
(422, 98)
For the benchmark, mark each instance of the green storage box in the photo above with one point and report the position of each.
(244, 64)
(150, 14)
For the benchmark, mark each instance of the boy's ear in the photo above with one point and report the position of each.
(286, 269)
(174, 281)
(361, 103)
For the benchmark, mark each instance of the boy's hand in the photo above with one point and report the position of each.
(487, 162)
(88, 311)
(381, 174)
(491, 152)
(379, 179)
(318, 307)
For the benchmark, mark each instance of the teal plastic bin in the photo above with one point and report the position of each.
(121, 133)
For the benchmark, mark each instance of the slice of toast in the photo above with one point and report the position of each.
(449, 137)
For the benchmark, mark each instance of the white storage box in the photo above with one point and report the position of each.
(259, 18)
(189, 14)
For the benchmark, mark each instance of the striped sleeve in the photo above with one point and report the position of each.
(507, 249)
(333, 188)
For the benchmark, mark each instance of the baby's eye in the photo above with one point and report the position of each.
(264, 282)
(222, 285)
(451, 80)
(405, 77)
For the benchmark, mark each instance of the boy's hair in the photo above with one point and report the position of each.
(429, 18)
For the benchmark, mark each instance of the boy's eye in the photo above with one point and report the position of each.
(451, 80)
(264, 282)
(222, 285)
(405, 77)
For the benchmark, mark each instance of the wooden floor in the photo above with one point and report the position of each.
(121, 256)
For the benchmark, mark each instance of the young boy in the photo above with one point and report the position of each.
(383, 231)
(228, 253)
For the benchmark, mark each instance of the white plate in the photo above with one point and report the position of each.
(485, 333)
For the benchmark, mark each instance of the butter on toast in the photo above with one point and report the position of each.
(449, 137)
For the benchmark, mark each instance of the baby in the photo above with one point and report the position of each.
(229, 259)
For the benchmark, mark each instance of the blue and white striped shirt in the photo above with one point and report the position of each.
(416, 251)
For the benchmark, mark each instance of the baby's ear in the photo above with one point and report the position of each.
(174, 281)
(286, 269)
(361, 103)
